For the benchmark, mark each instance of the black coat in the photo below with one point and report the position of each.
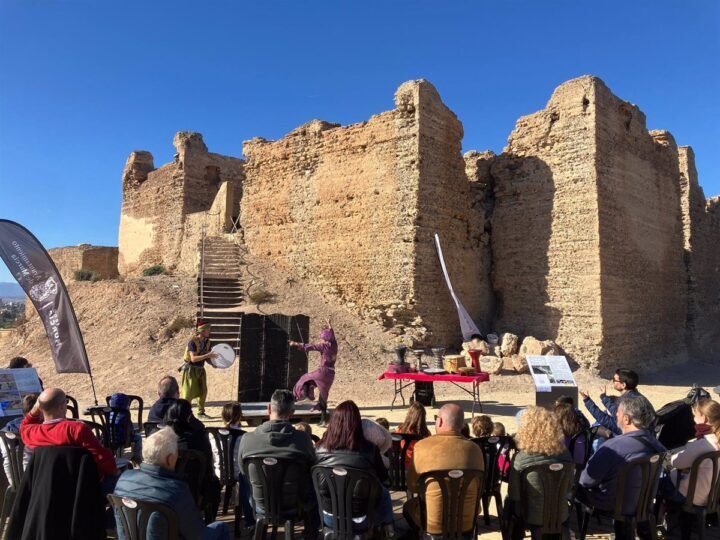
(59, 497)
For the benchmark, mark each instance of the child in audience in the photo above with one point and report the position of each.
(232, 414)
(498, 429)
(414, 424)
(482, 426)
(383, 422)
(465, 431)
(304, 426)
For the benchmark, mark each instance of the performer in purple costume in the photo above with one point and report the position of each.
(322, 377)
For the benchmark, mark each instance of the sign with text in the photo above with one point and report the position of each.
(550, 371)
(14, 385)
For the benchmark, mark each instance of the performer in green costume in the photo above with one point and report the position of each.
(194, 378)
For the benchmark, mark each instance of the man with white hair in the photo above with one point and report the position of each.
(156, 481)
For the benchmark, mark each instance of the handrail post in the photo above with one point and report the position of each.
(202, 269)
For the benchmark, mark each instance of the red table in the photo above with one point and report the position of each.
(451, 378)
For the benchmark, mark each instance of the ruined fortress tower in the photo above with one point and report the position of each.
(587, 229)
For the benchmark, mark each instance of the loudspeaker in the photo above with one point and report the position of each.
(267, 363)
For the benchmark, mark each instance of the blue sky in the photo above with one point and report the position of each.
(82, 84)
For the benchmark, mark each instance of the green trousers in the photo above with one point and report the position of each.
(194, 385)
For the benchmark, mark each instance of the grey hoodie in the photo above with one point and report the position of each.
(278, 438)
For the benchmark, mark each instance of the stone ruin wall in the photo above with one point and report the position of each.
(643, 279)
(164, 209)
(100, 260)
(545, 238)
(701, 230)
(587, 230)
(351, 209)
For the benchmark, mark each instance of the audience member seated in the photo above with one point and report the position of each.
(624, 381)
(46, 425)
(482, 426)
(179, 417)
(379, 436)
(570, 426)
(344, 445)
(13, 426)
(598, 482)
(498, 429)
(168, 393)
(540, 441)
(307, 428)
(415, 423)
(279, 439)
(706, 413)
(231, 415)
(22, 363)
(383, 422)
(156, 481)
(567, 400)
(447, 449)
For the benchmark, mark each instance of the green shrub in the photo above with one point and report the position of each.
(177, 324)
(261, 296)
(155, 270)
(85, 275)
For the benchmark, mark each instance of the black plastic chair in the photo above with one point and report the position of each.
(14, 450)
(99, 431)
(226, 441)
(140, 407)
(698, 514)
(150, 427)
(491, 448)
(73, 407)
(276, 485)
(118, 436)
(347, 489)
(401, 443)
(649, 468)
(556, 480)
(192, 465)
(135, 515)
(454, 486)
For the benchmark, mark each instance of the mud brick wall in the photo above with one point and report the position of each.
(352, 210)
(154, 224)
(545, 240)
(701, 230)
(643, 276)
(100, 260)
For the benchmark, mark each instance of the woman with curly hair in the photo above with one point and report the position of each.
(540, 441)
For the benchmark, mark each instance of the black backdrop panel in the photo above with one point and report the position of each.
(266, 361)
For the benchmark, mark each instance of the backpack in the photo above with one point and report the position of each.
(675, 419)
(119, 423)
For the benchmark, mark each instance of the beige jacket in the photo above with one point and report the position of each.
(683, 461)
(444, 451)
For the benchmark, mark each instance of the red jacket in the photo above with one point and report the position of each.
(66, 432)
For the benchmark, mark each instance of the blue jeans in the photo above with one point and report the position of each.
(217, 530)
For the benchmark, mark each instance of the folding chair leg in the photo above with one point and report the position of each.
(486, 509)
(226, 499)
(6, 507)
(584, 525)
(289, 529)
(260, 529)
(499, 506)
(701, 524)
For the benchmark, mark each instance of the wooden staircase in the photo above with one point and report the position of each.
(220, 290)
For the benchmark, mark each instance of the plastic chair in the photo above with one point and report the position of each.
(556, 480)
(276, 485)
(150, 427)
(72, 406)
(140, 407)
(192, 464)
(347, 489)
(115, 440)
(99, 431)
(401, 443)
(135, 515)
(692, 512)
(454, 485)
(491, 448)
(14, 450)
(649, 468)
(226, 441)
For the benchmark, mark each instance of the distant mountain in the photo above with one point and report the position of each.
(11, 290)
